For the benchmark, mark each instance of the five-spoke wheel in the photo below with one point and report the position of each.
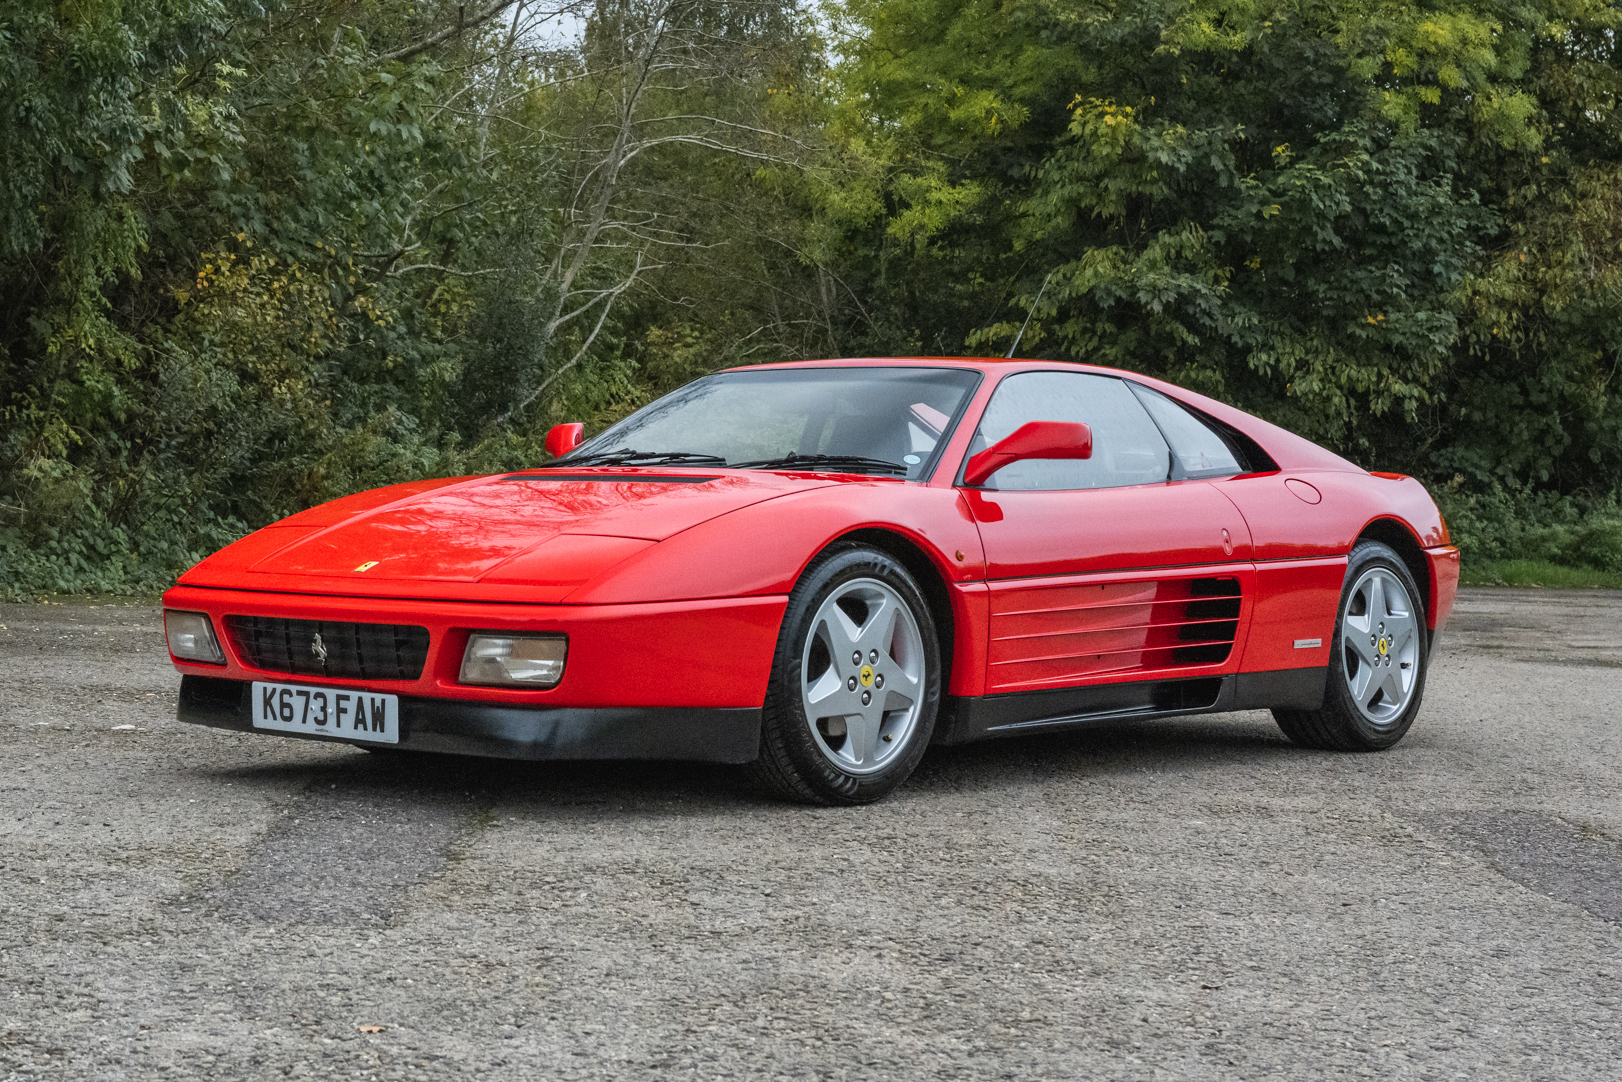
(855, 682)
(1377, 663)
(861, 674)
(1380, 645)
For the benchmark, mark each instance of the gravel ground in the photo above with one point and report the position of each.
(1182, 899)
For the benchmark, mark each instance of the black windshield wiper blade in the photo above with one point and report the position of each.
(835, 463)
(625, 456)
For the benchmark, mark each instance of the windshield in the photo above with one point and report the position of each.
(887, 421)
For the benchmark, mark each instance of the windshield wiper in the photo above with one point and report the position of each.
(834, 463)
(625, 456)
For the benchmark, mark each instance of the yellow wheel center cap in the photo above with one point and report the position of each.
(1385, 645)
(866, 676)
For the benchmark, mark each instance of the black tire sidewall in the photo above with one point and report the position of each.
(1338, 696)
(789, 731)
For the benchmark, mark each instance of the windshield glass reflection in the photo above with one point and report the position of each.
(884, 421)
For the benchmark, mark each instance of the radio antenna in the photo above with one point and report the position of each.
(1028, 315)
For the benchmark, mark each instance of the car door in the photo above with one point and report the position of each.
(1298, 536)
(1118, 567)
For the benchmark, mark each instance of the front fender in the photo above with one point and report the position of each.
(764, 548)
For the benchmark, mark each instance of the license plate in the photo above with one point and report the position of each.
(300, 708)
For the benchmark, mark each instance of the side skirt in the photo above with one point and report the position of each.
(990, 716)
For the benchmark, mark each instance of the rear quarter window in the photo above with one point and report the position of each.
(1197, 449)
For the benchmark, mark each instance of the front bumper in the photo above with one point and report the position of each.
(1444, 584)
(459, 727)
(715, 652)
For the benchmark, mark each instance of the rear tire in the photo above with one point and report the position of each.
(855, 682)
(1377, 659)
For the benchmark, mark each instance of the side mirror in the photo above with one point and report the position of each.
(561, 439)
(1035, 439)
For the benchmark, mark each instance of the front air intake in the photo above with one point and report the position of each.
(329, 648)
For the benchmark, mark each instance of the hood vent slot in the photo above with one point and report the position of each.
(619, 478)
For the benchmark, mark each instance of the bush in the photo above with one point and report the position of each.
(1505, 523)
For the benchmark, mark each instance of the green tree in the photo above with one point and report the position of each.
(254, 257)
(1309, 208)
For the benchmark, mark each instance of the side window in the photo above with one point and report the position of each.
(1196, 450)
(1127, 447)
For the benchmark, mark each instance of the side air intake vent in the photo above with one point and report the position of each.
(1058, 635)
(1209, 621)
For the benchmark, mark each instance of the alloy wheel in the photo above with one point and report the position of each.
(1380, 646)
(862, 676)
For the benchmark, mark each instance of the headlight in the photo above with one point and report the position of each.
(525, 660)
(191, 636)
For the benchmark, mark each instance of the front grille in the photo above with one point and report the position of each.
(353, 651)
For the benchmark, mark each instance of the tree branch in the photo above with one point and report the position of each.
(468, 23)
(608, 304)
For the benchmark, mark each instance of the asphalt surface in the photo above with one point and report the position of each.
(1183, 899)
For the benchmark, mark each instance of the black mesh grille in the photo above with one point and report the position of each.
(353, 651)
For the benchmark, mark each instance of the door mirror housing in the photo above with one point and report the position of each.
(1034, 439)
(561, 439)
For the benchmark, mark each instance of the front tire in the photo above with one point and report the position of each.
(1377, 660)
(855, 684)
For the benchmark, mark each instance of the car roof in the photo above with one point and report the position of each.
(980, 364)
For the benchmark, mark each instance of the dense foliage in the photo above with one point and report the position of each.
(255, 255)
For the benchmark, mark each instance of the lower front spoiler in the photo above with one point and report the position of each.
(694, 733)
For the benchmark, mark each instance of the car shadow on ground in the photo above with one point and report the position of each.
(1182, 744)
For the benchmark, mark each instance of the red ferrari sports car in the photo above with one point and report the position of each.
(821, 568)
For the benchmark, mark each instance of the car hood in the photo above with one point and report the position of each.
(544, 528)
